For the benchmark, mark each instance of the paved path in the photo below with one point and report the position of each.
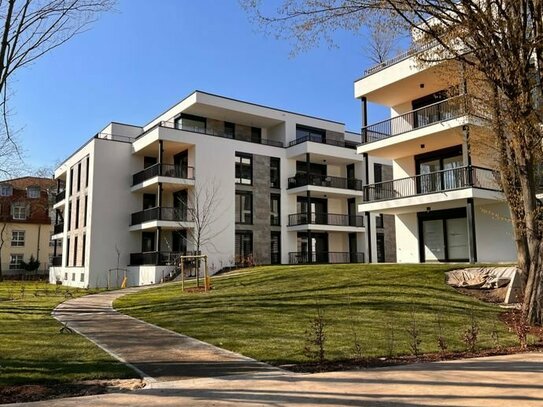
(514, 380)
(156, 353)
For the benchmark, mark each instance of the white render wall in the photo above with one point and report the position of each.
(494, 234)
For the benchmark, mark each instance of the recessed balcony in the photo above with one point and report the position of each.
(325, 257)
(300, 180)
(170, 218)
(321, 140)
(56, 261)
(327, 219)
(58, 228)
(165, 173)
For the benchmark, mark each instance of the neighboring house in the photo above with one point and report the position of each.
(288, 187)
(445, 199)
(25, 224)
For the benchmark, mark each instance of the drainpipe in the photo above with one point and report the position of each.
(364, 119)
(470, 211)
(308, 210)
(367, 217)
(466, 154)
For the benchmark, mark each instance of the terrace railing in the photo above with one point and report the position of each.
(302, 179)
(161, 213)
(332, 219)
(164, 170)
(325, 257)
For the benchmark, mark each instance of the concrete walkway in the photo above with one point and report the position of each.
(514, 380)
(156, 353)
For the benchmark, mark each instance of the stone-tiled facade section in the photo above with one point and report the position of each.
(389, 224)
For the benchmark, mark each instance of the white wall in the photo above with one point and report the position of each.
(407, 243)
(494, 234)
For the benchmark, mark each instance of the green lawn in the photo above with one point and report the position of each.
(263, 313)
(33, 351)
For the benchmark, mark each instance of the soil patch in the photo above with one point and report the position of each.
(369, 363)
(46, 391)
(491, 295)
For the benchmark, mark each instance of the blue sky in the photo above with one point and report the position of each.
(147, 55)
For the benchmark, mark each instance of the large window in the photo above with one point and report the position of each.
(244, 245)
(18, 211)
(275, 210)
(191, 123)
(275, 248)
(15, 261)
(440, 170)
(256, 134)
(244, 207)
(18, 238)
(229, 130)
(310, 134)
(244, 169)
(6, 190)
(275, 172)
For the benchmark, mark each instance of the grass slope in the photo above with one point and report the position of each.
(33, 351)
(265, 312)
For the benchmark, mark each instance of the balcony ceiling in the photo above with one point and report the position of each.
(170, 147)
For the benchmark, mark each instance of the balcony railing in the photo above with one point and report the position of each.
(155, 258)
(58, 228)
(439, 181)
(332, 219)
(415, 49)
(217, 133)
(445, 110)
(317, 139)
(161, 213)
(325, 257)
(163, 170)
(56, 261)
(60, 196)
(302, 179)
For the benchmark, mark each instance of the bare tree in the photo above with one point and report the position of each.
(500, 44)
(29, 29)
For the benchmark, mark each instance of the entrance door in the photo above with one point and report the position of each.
(319, 247)
(179, 241)
(318, 210)
(149, 201)
(457, 238)
(434, 240)
(444, 235)
(147, 242)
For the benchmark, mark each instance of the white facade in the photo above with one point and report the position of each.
(189, 150)
(444, 195)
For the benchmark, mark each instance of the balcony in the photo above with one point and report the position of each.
(440, 181)
(58, 228)
(163, 170)
(154, 258)
(60, 196)
(449, 109)
(161, 214)
(325, 257)
(222, 134)
(56, 261)
(301, 179)
(317, 139)
(330, 219)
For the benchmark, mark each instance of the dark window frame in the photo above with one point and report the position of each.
(277, 222)
(243, 171)
(240, 208)
(275, 172)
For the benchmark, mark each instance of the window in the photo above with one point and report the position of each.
(33, 192)
(75, 251)
(379, 221)
(69, 219)
(377, 173)
(71, 180)
(256, 134)
(78, 177)
(229, 130)
(6, 190)
(65, 276)
(15, 261)
(244, 245)
(275, 210)
(83, 250)
(244, 207)
(67, 252)
(275, 248)
(18, 211)
(87, 167)
(191, 123)
(82, 278)
(244, 169)
(275, 172)
(310, 134)
(18, 238)
(73, 276)
(77, 213)
(86, 209)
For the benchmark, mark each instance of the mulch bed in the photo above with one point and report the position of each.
(491, 295)
(46, 391)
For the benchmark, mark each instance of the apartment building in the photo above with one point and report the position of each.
(25, 224)
(444, 196)
(258, 185)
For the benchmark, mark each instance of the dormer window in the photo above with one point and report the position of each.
(33, 192)
(18, 211)
(6, 190)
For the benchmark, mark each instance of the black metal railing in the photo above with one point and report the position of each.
(60, 196)
(56, 261)
(415, 49)
(161, 213)
(332, 219)
(325, 257)
(275, 258)
(275, 220)
(58, 228)
(163, 170)
(445, 110)
(318, 139)
(217, 133)
(439, 181)
(155, 258)
(302, 179)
